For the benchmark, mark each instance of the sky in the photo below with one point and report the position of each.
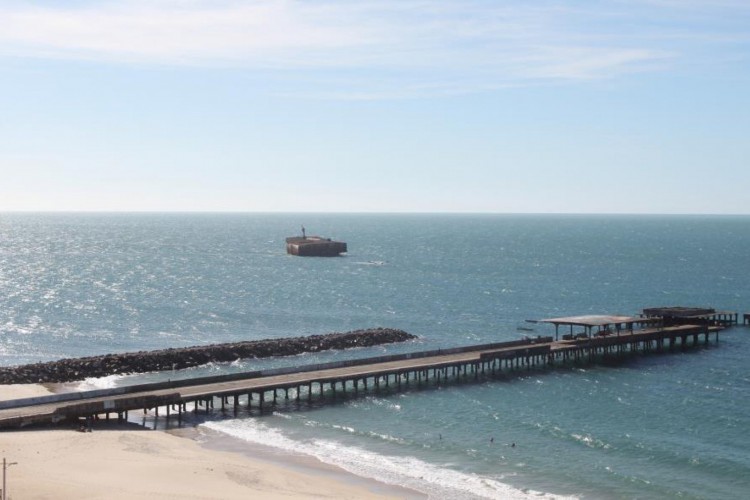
(517, 106)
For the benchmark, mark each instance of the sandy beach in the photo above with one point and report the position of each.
(115, 462)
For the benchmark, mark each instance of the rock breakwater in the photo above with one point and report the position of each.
(72, 369)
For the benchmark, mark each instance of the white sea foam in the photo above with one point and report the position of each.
(591, 442)
(409, 472)
(93, 383)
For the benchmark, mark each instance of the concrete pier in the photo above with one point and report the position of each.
(324, 382)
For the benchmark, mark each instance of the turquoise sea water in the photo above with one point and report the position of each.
(672, 426)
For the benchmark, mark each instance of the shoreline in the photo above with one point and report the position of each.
(304, 464)
(168, 464)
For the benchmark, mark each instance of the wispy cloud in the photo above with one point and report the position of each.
(169, 32)
(413, 45)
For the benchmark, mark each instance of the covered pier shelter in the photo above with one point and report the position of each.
(604, 324)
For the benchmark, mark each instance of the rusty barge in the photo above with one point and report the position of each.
(314, 246)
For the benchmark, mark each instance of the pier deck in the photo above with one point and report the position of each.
(250, 390)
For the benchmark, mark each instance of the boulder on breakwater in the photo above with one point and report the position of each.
(68, 370)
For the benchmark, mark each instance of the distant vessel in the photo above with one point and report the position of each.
(314, 246)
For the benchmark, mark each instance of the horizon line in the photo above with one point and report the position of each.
(355, 212)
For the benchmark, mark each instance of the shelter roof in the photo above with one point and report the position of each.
(592, 320)
(680, 311)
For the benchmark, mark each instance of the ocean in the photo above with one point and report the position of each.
(652, 426)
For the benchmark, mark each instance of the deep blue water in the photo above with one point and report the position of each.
(672, 426)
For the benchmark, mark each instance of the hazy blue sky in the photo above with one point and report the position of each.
(611, 106)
